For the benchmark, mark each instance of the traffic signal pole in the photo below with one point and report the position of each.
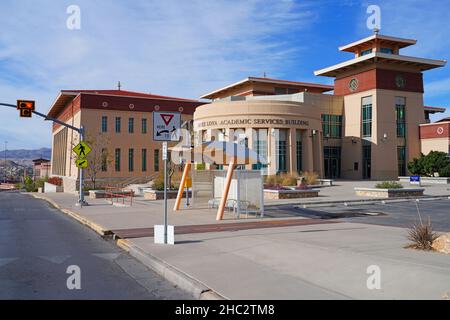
(81, 202)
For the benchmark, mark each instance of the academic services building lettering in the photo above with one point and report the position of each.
(249, 122)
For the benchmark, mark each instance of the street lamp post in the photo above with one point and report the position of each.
(80, 131)
(4, 163)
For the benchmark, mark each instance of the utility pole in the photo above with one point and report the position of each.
(81, 202)
(4, 163)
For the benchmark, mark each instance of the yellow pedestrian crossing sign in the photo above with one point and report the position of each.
(81, 163)
(82, 150)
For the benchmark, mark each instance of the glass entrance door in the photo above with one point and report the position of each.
(332, 162)
(366, 162)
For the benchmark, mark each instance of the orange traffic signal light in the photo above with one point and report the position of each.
(25, 105)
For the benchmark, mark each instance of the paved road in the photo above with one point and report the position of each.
(395, 214)
(38, 243)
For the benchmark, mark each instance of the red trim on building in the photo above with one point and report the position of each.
(380, 79)
(435, 130)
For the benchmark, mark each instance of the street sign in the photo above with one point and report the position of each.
(82, 150)
(414, 179)
(166, 126)
(81, 163)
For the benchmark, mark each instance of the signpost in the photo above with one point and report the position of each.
(414, 180)
(166, 127)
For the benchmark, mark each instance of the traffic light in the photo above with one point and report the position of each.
(26, 108)
(25, 113)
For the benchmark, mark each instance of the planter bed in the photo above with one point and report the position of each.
(389, 193)
(430, 180)
(101, 194)
(289, 194)
(159, 195)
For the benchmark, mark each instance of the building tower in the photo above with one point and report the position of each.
(382, 92)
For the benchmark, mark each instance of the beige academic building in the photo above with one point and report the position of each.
(368, 125)
(119, 130)
(368, 128)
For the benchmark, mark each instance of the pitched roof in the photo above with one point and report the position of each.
(125, 93)
(401, 42)
(322, 87)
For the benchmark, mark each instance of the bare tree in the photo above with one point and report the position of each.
(99, 158)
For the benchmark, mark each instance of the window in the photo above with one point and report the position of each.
(366, 52)
(144, 126)
(400, 104)
(130, 160)
(299, 151)
(144, 160)
(117, 159)
(156, 160)
(118, 123)
(130, 125)
(260, 147)
(280, 91)
(387, 50)
(281, 145)
(104, 124)
(401, 159)
(366, 116)
(104, 160)
(332, 126)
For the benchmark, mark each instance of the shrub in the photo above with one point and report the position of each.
(57, 181)
(273, 179)
(288, 180)
(158, 183)
(428, 165)
(200, 166)
(389, 185)
(422, 235)
(310, 177)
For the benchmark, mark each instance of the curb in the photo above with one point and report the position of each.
(101, 231)
(358, 201)
(177, 277)
(167, 271)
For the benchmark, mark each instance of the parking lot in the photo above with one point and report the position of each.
(394, 213)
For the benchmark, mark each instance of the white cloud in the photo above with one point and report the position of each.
(181, 48)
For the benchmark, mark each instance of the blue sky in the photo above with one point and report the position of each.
(187, 48)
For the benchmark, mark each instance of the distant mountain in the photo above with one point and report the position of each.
(24, 154)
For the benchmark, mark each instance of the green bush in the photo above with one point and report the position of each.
(158, 183)
(29, 184)
(389, 185)
(428, 165)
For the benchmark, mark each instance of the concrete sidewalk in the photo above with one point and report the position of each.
(326, 261)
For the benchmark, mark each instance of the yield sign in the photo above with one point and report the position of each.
(166, 118)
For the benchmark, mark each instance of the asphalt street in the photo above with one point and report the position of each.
(396, 214)
(39, 245)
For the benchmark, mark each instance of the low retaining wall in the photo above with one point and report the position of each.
(430, 180)
(51, 188)
(159, 195)
(389, 193)
(100, 194)
(289, 194)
